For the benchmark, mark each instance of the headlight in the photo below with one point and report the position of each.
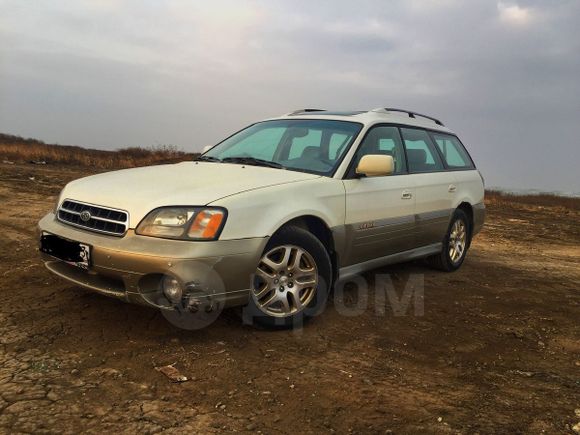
(184, 223)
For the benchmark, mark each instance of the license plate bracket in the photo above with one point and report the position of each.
(71, 252)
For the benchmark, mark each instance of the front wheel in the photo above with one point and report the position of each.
(455, 244)
(292, 280)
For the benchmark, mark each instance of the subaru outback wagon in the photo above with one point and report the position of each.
(273, 216)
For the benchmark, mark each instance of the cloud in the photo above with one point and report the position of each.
(513, 14)
(118, 73)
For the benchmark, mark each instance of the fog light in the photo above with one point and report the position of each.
(172, 289)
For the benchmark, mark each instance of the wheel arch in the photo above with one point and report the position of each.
(467, 208)
(319, 229)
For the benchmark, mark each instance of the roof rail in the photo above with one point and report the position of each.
(408, 112)
(296, 112)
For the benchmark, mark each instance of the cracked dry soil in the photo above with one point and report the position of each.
(496, 351)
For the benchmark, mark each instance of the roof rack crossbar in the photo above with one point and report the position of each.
(414, 114)
(306, 111)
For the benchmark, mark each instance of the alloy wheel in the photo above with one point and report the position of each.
(285, 281)
(457, 241)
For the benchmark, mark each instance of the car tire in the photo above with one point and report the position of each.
(292, 280)
(455, 244)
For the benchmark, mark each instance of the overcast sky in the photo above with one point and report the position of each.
(107, 74)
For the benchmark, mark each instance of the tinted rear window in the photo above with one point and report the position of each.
(453, 151)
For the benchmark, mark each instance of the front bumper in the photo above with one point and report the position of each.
(131, 267)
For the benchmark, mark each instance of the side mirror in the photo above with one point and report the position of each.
(375, 165)
(206, 148)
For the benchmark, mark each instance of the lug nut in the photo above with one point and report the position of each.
(290, 285)
(281, 288)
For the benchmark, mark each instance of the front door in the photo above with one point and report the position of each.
(379, 210)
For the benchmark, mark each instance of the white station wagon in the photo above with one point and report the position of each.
(273, 216)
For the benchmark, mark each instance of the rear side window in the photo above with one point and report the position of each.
(453, 151)
(421, 153)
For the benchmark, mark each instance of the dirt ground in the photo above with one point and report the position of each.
(497, 349)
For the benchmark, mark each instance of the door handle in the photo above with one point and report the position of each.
(406, 194)
(452, 188)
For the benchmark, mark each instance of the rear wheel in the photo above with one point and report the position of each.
(291, 281)
(455, 244)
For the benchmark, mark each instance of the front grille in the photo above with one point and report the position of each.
(100, 219)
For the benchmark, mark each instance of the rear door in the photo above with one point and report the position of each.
(468, 182)
(379, 210)
(434, 186)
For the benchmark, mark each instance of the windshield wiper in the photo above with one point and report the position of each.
(207, 159)
(253, 161)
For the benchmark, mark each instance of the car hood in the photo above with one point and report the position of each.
(141, 190)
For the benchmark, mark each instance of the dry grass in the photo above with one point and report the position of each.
(541, 200)
(20, 150)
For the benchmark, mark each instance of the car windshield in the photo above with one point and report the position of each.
(314, 146)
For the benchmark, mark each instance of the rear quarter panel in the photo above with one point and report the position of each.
(469, 187)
